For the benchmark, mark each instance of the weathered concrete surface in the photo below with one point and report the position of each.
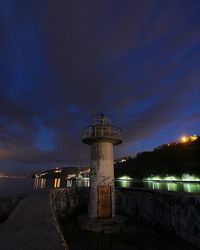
(65, 201)
(31, 226)
(102, 174)
(179, 212)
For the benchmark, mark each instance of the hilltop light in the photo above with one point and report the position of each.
(184, 139)
(58, 170)
(193, 138)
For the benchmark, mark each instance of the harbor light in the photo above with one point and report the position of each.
(101, 136)
(101, 217)
(185, 177)
(125, 177)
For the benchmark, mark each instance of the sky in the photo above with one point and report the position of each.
(61, 62)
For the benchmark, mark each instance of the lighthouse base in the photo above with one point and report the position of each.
(107, 226)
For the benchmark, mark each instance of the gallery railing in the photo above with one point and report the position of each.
(99, 131)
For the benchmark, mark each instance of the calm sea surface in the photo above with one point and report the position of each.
(15, 186)
(190, 187)
(18, 186)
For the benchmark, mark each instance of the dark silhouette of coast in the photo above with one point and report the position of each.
(173, 159)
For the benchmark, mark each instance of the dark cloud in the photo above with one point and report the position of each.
(62, 62)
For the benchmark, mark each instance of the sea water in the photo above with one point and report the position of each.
(10, 187)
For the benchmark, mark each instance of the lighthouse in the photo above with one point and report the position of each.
(101, 136)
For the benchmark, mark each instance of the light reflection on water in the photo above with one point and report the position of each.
(169, 186)
(41, 183)
(14, 187)
(177, 187)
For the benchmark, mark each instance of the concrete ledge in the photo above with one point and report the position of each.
(59, 230)
(175, 211)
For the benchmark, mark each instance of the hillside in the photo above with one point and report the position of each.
(62, 172)
(174, 159)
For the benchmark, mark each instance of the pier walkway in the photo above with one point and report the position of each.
(31, 226)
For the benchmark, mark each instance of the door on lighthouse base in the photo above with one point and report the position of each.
(104, 202)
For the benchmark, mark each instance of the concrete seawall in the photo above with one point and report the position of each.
(179, 212)
(65, 201)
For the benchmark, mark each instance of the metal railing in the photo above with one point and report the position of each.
(101, 119)
(99, 131)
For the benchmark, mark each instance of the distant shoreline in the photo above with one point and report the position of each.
(14, 177)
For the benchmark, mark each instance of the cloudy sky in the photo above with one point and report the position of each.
(64, 61)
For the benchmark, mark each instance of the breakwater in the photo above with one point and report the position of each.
(67, 201)
(178, 212)
(175, 211)
(31, 226)
(7, 205)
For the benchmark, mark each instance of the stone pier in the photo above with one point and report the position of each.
(32, 225)
(176, 212)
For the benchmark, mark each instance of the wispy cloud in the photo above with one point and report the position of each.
(62, 62)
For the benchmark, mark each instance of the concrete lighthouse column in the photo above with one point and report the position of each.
(101, 136)
(102, 199)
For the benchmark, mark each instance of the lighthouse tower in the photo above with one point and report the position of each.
(102, 136)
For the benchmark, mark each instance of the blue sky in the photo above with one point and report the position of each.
(64, 61)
